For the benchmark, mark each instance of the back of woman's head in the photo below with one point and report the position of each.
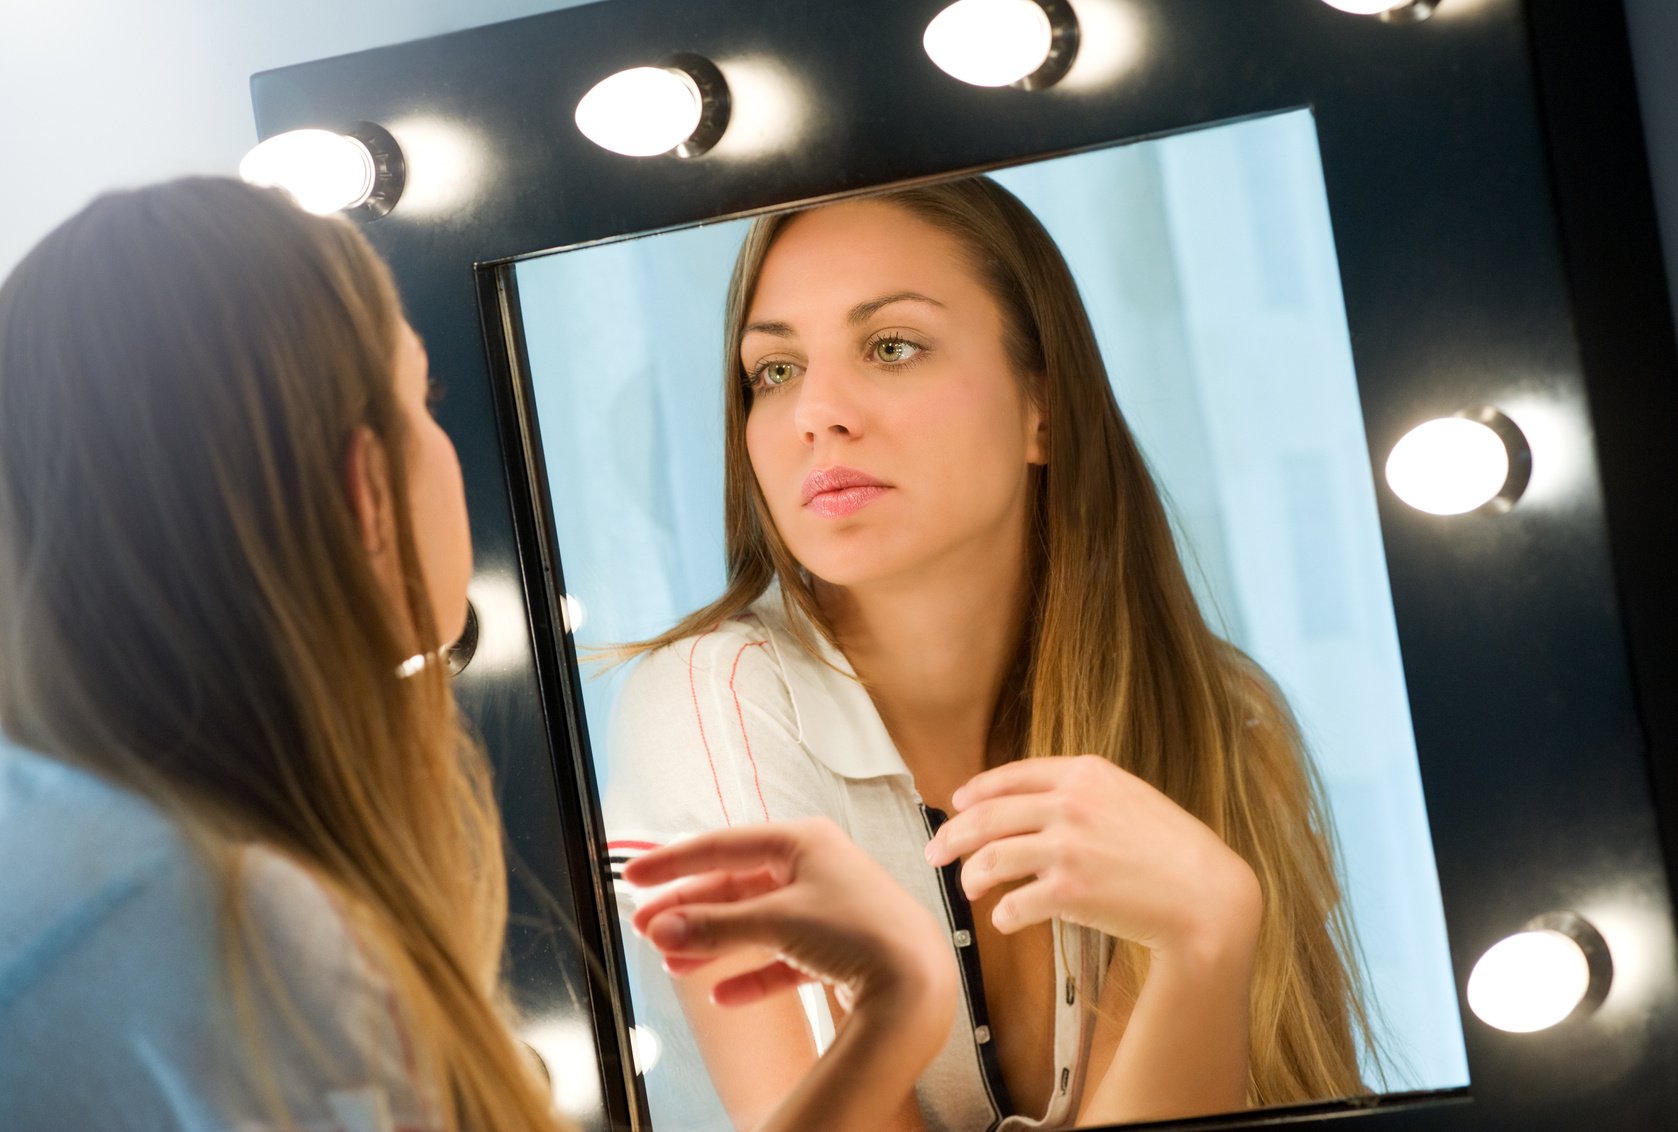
(186, 606)
(180, 368)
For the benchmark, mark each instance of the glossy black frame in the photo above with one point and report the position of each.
(1497, 242)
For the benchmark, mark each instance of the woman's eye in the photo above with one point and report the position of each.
(894, 350)
(776, 373)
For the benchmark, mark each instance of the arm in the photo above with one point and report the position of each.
(802, 896)
(705, 738)
(1093, 845)
(756, 1054)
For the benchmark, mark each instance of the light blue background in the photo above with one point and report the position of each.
(1207, 263)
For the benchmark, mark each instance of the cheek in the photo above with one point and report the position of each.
(766, 448)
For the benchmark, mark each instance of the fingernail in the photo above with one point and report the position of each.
(670, 930)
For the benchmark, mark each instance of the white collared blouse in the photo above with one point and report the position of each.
(741, 724)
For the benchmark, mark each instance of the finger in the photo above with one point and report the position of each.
(1008, 816)
(679, 965)
(1004, 862)
(696, 930)
(740, 849)
(1027, 905)
(712, 888)
(1027, 776)
(753, 986)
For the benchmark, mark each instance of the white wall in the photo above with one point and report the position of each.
(99, 94)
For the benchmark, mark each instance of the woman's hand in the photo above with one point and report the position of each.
(1092, 844)
(1095, 845)
(807, 892)
(825, 909)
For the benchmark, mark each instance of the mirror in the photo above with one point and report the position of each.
(1207, 264)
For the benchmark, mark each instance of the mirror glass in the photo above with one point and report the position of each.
(1207, 264)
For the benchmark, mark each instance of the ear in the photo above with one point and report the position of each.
(367, 487)
(1037, 433)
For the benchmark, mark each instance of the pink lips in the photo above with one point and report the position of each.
(839, 491)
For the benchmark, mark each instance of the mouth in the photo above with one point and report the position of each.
(839, 491)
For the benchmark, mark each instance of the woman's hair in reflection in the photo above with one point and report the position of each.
(186, 607)
(1116, 658)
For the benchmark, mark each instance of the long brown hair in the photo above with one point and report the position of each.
(186, 608)
(1116, 658)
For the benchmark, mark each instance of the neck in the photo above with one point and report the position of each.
(934, 653)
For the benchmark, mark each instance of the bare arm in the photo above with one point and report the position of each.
(771, 906)
(1184, 1050)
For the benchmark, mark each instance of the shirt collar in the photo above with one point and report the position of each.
(837, 721)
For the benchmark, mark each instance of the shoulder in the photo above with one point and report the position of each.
(740, 657)
(114, 961)
(78, 850)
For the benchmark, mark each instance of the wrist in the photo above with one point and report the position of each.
(913, 999)
(1225, 934)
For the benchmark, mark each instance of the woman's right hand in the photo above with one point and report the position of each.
(828, 912)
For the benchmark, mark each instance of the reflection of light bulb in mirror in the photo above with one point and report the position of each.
(572, 612)
(325, 172)
(645, 111)
(1539, 976)
(645, 1047)
(1002, 42)
(1459, 464)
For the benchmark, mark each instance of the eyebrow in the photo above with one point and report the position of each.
(859, 314)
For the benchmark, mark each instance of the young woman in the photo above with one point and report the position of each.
(253, 869)
(954, 591)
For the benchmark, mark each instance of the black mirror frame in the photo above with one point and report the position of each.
(1496, 233)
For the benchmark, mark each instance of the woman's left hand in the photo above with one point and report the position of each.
(1095, 845)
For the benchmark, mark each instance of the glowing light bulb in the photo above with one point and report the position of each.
(990, 42)
(1449, 466)
(1529, 981)
(323, 171)
(572, 612)
(645, 1047)
(1419, 8)
(641, 112)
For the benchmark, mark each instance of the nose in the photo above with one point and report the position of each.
(828, 402)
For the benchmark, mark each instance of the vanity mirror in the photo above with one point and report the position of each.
(1300, 232)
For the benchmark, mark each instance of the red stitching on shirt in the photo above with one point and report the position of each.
(693, 688)
(740, 714)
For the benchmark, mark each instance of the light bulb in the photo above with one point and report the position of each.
(1452, 466)
(572, 612)
(323, 171)
(990, 42)
(641, 112)
(1529, 981)
(1419, 9)
(645, 1048)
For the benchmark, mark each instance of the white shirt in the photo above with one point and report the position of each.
(111, 979)
(742, 725)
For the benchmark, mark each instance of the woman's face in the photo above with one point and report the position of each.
(436, 494)
(888, 431)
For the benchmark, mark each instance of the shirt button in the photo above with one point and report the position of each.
(963, 937)
(981, 1034)
(1065, 1078)
(1071, 990)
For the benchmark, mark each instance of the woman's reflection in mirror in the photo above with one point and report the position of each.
(957, 628)
(253, 871)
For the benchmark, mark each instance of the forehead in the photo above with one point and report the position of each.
(859, 250)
